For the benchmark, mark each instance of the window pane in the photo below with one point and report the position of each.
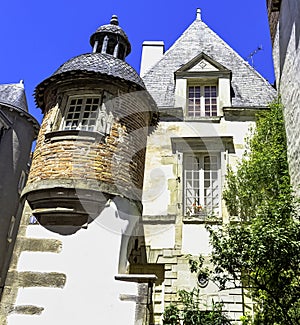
(209, 97)
(82, 113)
(201, 184)
(210, 94)
(194, 106)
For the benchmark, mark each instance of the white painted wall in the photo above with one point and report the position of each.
(195, 240)
(160, 236)
(90, 259)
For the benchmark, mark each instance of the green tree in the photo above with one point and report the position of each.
(261, 253)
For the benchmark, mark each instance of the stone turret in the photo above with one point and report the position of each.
(85, 188)
(91, 147)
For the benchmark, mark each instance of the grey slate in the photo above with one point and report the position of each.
(104, 64)
(13, 95)
(92, 63)
(249, 87)
(112, 29)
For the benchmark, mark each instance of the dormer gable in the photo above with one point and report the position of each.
(202, 87)
(202, 63)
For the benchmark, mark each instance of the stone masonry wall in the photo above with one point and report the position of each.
(273, 19)
(118, 161)
(286, 54)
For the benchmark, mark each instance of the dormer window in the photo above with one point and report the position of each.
(202, 101)
(202, 88)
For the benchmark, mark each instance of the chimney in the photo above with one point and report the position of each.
(152, 52)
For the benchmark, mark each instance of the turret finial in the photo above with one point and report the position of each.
(114, 20)
(198, 15)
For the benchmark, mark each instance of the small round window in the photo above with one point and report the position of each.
(202, 279)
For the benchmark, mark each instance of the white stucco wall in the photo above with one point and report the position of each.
(195, 240)
(90, 259)
(160, 236)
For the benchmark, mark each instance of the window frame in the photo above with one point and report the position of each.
(84, 98)
(202, 100)
(197, 204)
(5, 124)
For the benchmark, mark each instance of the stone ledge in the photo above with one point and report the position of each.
(169, 218)
(204, 119)
(139, 278)
(243, 113)
(41, 245)
(201, 219)
(36, 279)
(27, 310)
(71, 135)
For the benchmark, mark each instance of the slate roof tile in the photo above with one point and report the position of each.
(95, 63)
(101, 63)
(13, 95)
(250, 88)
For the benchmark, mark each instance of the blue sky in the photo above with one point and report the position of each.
(38, 36)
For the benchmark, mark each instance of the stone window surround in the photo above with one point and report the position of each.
(81, 113)
(221, 146)
(198, 179)
(22, 181)
(214, 78)
(218, 75)
(55, 130)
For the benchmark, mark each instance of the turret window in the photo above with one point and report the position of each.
(90, 113)
(82, 113)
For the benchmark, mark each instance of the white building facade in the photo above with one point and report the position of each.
(208, 97)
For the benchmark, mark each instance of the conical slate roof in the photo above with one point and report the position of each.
(86, 65)
(249, 87)
(13, 95)
(94, 64)
(102, 64)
